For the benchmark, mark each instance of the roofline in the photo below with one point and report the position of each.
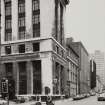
(69, 46)
(80, 43)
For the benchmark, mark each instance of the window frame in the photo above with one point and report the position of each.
(36, 18)
(36, 44)
(8, 9)
(21, 48)
(8, 36)
(8, 50)
(35, 5)
(21, 22)
(8, 23)
(21, 6)
(22, 34)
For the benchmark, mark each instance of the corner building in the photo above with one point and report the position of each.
(33, 50)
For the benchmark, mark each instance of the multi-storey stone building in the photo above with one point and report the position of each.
(33, 52)
(92, 74)
(73, 69)
(84, 67)
(99, 58)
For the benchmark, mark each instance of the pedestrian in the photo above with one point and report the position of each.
(49, 101)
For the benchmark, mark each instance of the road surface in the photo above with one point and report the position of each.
(87, 101)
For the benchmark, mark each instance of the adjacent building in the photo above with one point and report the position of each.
(33, 52)
(100, 67)
(84, 68)
(73, 68)
(92, 74)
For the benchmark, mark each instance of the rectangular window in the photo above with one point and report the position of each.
(8, 36)
(35, 5)
(36, 19)
(36, 47)
(37, 77)
(36, 32)
(22, 48)
(21, 18)
(8, 24)
(9, 70)
(21, 6)
(8, 9)
(7, 49)
(21, 22)
(22, 34)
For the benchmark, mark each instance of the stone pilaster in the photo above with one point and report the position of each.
(16, 76)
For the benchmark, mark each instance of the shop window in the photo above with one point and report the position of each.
(37, 85)
(22, 78)
(9, 70)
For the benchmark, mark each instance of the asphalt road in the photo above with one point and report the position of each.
(87, 101)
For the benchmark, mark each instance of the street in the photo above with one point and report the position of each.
(88, 101)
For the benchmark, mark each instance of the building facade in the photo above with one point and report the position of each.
(100, 67)
(33, 52)
(84, 67)
(92, 74)
(73, 69)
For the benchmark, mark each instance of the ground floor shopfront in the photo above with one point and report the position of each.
(33, 72)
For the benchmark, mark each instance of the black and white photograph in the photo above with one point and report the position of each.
(52, 52)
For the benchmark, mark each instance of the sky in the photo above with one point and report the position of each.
(85, 22)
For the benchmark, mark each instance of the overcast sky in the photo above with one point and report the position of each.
(85, 21)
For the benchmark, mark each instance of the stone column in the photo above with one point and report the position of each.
(16, 76)
(29, 77)
(46, 71)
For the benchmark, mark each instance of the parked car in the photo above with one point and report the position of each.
(3, 102)
(93, 94)
(78, 97)
(101, 97)
(87, 95)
